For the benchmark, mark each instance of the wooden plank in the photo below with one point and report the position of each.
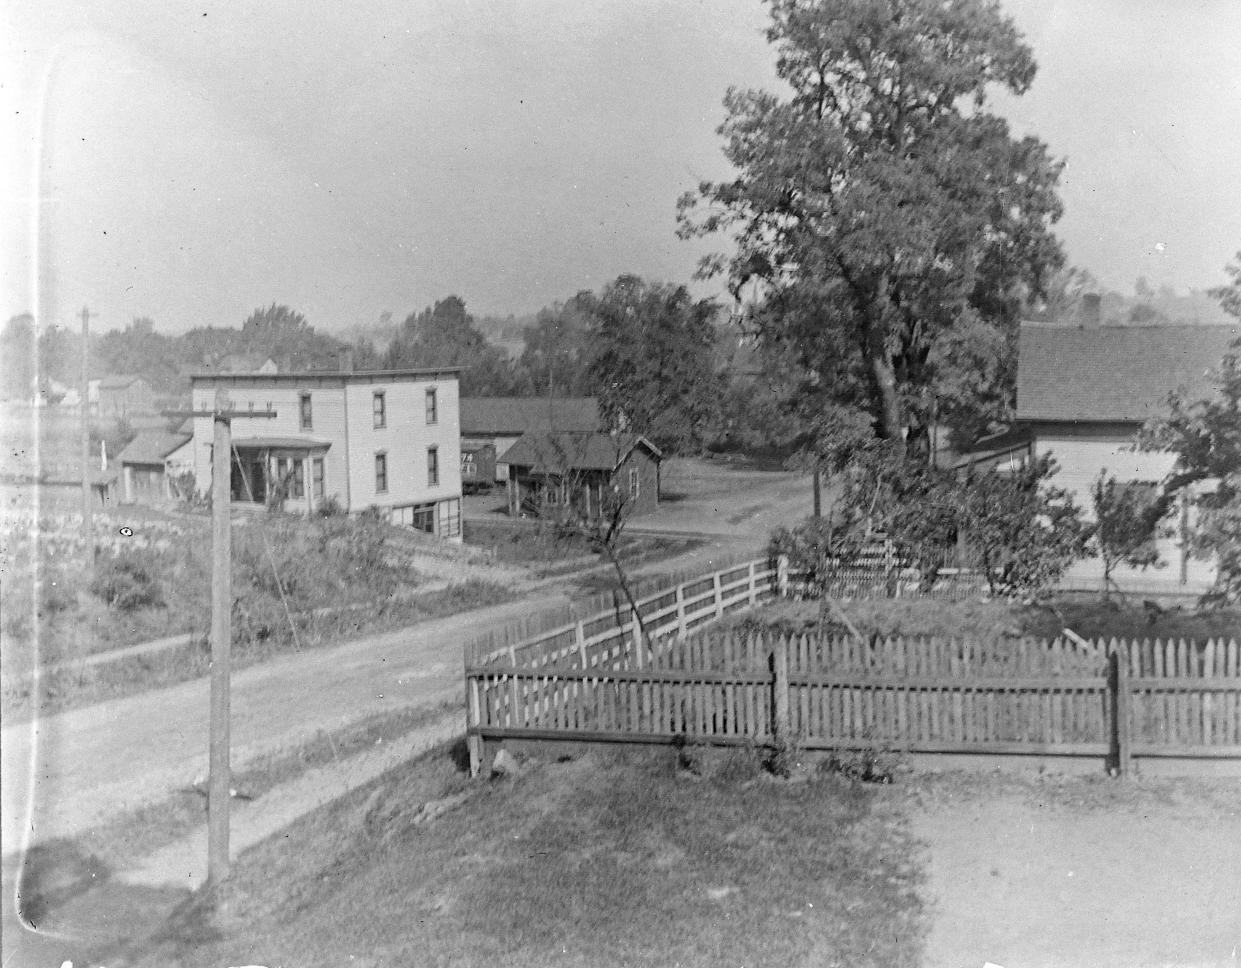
(602, 736)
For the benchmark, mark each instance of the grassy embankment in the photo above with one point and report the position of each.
(297, 584)
(610, 859)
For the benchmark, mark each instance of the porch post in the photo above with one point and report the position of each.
(308, 486)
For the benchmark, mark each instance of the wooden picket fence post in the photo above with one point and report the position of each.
(780, 666)
(1122, 709)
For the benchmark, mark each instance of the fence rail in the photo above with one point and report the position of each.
(1110, 699)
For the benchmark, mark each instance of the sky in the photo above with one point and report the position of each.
(191, 162)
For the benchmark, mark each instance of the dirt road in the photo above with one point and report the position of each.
(67, 772)
(1073, 873)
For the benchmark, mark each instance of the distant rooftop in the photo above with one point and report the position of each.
(1121, 374)
(501, 416)
(330, 376)
(555, 452)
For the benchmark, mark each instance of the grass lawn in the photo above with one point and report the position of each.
(608, 859)
(995, 619)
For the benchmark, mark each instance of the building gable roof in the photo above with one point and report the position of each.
(119, 382)
(1114, 374)
(504, 416)
(152, 447)
(543, 452)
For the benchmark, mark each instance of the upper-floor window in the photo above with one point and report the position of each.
(379, 410)
(635, 483)
(304, 411)
(432, 407)
(433, 466)
(381, 473)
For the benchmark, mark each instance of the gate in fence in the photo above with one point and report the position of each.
(1112, 699)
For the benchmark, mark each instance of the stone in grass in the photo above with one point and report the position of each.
(504, 764)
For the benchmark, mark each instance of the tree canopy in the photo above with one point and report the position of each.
(894, 225)
(653, 365)
(445, 335)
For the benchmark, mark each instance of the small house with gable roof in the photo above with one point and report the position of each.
(1084, 393)
(584, 471)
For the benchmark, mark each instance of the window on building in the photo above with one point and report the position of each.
(635, 483)
(433, 466)
(307, 422)
(450, 518)
(381, 473)
(316, 476)
(423, 518)
(378, 409)
(432, 407)
(289, 473)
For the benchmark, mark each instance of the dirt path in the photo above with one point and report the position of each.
(1047, 874)
(67, 772)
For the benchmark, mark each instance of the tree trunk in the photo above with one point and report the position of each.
(884, 375)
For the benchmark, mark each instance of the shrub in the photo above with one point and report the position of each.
(330, 508)
(127, 582)
(863, 766)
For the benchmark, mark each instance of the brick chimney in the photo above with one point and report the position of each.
(346, 361)
(1090, 312)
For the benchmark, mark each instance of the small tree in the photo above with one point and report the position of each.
(1127, 519)
(1205, 435)
(1025, 532)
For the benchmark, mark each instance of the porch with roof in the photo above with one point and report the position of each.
(290, 471)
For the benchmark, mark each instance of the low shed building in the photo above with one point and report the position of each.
(156, 466)
(587, 472)
(502, 421)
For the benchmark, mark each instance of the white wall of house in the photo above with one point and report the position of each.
(344, 416)
(1081, 459)
(405, 438)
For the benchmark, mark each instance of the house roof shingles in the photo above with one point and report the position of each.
(151, 447)
(543, 452)
(1114, 374)
(502, 416)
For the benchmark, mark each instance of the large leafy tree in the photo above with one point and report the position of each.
(558, 349)
(446, 335)
(895, 225)
(140, 350)
(653, 367)
(1205, 435)
(285, 335)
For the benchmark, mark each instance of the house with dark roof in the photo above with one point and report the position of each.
(1083, 393)
(156, 466)
(583, 470)
(491, 425)
(370, 439)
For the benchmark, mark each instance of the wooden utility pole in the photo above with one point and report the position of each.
(219, 771)
(818, 494)
(219, 778)
(88, 523)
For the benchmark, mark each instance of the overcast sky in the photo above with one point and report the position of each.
(353, 158)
